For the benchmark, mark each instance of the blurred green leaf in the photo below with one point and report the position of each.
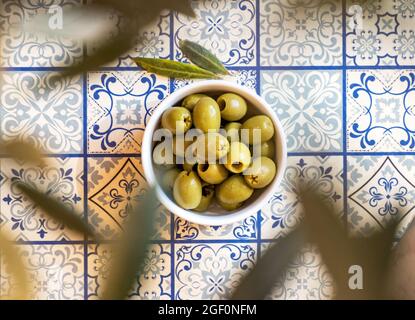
(57, 210)
(174, 69)
(22, 151)
(259, 282)
(202, 57)
(130, 251)
(9, 253)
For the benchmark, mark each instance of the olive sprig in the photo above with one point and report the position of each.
(205, 64)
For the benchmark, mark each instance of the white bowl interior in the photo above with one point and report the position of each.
(216, 215)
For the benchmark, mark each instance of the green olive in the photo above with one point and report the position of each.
(190, 101)
(187, 190)
(265, 149)
(210, 147)
(229, 207)
(208, 191)
(261, 123)
(260, 173)
(238, 158)
(206, 115)
(180, 145)
(232, 131)
(232, 106)
(189, 166)
(168, 179)
(233, 190)
(212, 173)
(176, 119)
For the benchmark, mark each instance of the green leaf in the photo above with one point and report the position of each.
(22, 151)
(130, 252)
(57, 210)
(174, 69)
(202, 57)
(12, 259)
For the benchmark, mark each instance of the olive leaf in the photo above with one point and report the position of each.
(10, 254)
(202, 57)
(57, 210)
(23, 151)
(259, 282)
(174, 69)
(130, 251)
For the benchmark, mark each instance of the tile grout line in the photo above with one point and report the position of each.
(344, 105)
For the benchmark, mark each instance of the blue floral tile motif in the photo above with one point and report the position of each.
(283, 211)
(43, 109)
(56, 272)
(306, 278)
(25, 49)
(297, 33)
(380, 111)
(381, 189)
(61, 178)
(245, 230)
(114, 186)
(227, 28)
(386, 36)
(153, 41)
(152, 284)
(309, 105)
(119, 106)
(211, 271)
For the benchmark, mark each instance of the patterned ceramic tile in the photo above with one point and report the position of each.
(297, 33)
(386, 36)
(43, 109)
(55, 272)
(380, 110)
(61, 178)
(26, 49)
(153, 283)
(246, 78)
(119, 106)
(309, 105)
(245, 230)
(211, 271)
(114, 185)
(153, 41)
(380, 189)
(306, 278)
(283, 211)
(227, 28)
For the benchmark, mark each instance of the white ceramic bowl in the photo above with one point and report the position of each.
(216, 215)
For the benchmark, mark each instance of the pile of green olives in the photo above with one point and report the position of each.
(225, 168)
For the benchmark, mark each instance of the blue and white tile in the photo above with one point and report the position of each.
(55, 272)
(380, 110)
(306, 278)
(20, 48)
(301, 33)
(152, 41)
(152, 284)
(226, 28)
(383, 36)
(115, 185)
(43, 109)
(381, 189)
(309, 106)
(244, 230)
(246, 78)
(61, 178)
(283, 212)
(119, 107)
(211, 271)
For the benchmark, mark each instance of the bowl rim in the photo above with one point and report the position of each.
(146, 148)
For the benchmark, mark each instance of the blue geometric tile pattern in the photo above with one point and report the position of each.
(344, 93)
